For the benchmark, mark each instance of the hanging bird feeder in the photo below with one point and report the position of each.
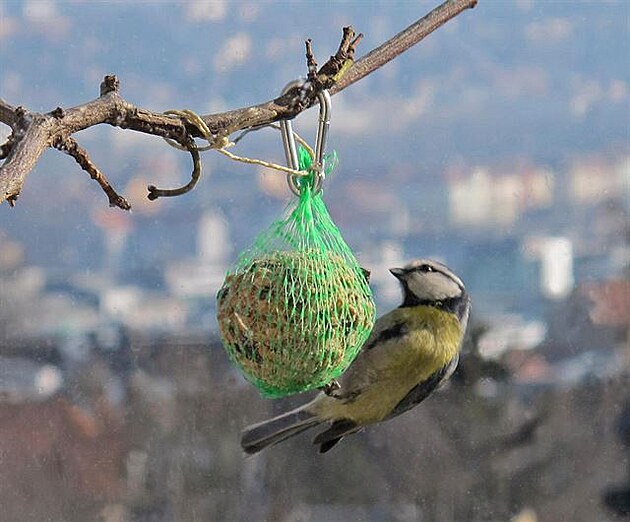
(296, 307)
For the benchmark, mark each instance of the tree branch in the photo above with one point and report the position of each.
(35, 132)
(402, 41)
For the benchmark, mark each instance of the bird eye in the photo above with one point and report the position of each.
(426, 268)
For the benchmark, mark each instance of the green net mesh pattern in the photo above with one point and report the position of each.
(296, 308)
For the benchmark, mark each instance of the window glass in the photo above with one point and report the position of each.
(498, 146)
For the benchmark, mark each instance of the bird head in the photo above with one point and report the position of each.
(425, 282)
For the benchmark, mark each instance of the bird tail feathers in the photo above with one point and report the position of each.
(258, 436)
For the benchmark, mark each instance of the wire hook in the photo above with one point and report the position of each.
(290, 149)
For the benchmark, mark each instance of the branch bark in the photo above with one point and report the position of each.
(33, 132)
(402, 41)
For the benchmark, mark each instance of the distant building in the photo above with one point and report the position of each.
(595, 179)
(142, 311)
(470, 199)
(510, 332)
(484, 199)
(202, 276)
(556, 274)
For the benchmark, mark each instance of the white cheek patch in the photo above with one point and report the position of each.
(432, 287)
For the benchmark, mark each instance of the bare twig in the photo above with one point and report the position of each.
(155, 192)
(339, 64)
(81, 156)
(35, 132)
(311, 63)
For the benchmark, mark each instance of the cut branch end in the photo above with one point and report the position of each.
(110, 84)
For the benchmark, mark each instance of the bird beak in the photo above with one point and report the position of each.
(398, 273)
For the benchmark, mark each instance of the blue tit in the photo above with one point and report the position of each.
(411, 351)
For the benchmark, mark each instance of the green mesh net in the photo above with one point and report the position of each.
(296, 308)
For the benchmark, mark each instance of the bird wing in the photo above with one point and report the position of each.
(387, 331)
(403, 350)
(331, 437)
(422, 390)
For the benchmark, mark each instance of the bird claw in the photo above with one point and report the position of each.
(331, 388)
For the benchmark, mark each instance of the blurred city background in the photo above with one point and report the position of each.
(499, 145)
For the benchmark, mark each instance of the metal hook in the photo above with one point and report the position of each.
(290, 149)
(288, 140)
